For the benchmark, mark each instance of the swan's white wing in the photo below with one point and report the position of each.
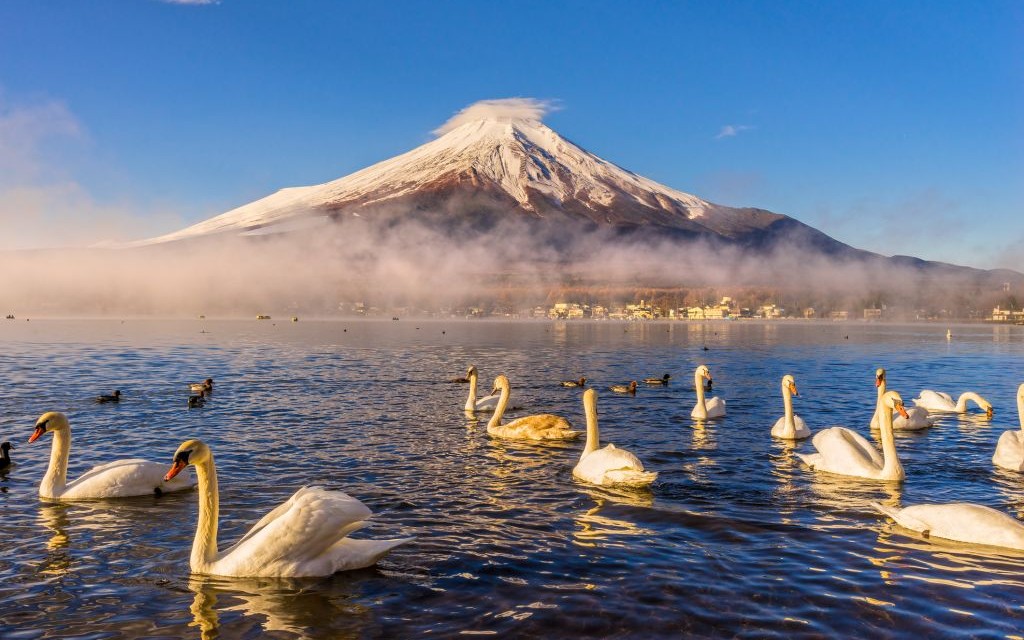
(124, 478)
(962, 522)
(612, 465)
(801, 431)
(917, 418)
(716, 407)
(935, 400)
(543, 426)
(488, 403)
(1010, 451)
(294, 539)
(844, 452)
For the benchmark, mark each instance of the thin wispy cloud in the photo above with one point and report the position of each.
(732, 130)
(193, 2)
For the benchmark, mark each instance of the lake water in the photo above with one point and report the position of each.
(736, 537)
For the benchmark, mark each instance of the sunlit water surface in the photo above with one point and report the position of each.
(736, 537)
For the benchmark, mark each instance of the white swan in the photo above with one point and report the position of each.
(790, 426)
(704, 409)
(845, 452)
(917, 417)
(1010, 448)
(118, 479)
(938, 401)
(960, 522)
(543, 426)
(305, 536)
(487, 403)
(610, 465)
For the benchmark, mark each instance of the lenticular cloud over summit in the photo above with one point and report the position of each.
(511, 109)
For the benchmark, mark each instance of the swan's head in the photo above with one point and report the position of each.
(703, 372)
(789, 382)
(50, 421)
(590, 398)
(879, 377)
(987, 406)
(190, 452)
(500, 383)
(471, 371)
(894, 401)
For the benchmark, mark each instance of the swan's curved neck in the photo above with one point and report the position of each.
(787, 404)
(593, 435)
(204, 547)
(961, 403)
(698, 384)
(499, 411)
(1020, 409)
(471, 400)
(877, 418)
(892, 469)
(56, 478)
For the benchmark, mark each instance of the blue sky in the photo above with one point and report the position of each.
(896, 127)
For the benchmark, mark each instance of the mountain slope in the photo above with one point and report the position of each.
(502, 164)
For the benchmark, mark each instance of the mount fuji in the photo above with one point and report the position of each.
(499, 161)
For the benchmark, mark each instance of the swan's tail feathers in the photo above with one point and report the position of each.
(351, 554)
(902, 519)
(810, 459)
(632, 477)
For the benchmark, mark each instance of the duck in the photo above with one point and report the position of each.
(609, 466)
(306, 536)
(790, 426)
(917, 417)
(542, 426)
(197, 400)
(461, 379)
(113, 397)
(705, 409)
(662, 380)
(624, 388)
(939, 401)
(845, 452)
(205, 385)
(117, 479)
(5, 456)
(582, 382)
(1009, 452)
(960, 522)
(487, 403)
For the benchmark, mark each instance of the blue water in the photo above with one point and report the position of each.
(736, 538)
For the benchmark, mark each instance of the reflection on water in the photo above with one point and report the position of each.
(299, 607)
(54, 518)
(737, 536)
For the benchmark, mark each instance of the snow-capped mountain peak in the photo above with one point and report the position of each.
(507, 153)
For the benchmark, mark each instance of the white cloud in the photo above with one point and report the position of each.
(528, 109)
(732, 130)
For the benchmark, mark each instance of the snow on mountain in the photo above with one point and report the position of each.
(510, 155)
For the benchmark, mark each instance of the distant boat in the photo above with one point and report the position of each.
(295, 318)
(261, 317)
